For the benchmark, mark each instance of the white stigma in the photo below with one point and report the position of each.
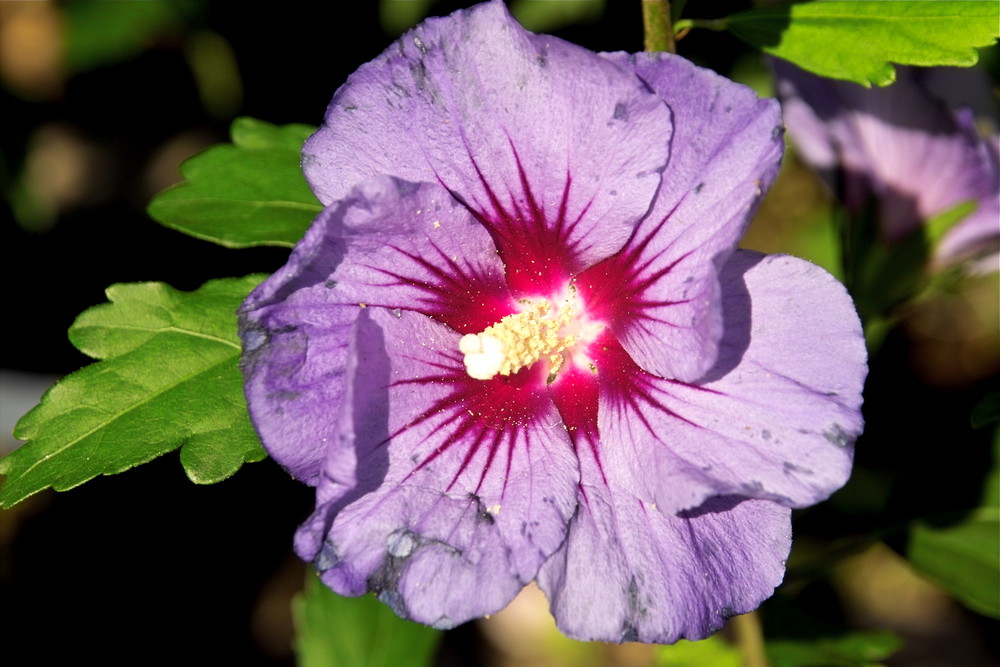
(484, 355)
(517, 341)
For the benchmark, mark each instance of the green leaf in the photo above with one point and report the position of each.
(860, 41)
(942, 223)
(798, 638)
(169, 378)
(881, 276)
(961, 552)
(711, 651)
(861, 649)
(248, 193)
(962, 558)
(332, 630)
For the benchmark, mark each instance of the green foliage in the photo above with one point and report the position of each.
(248, 193)
(878, 275)
(863, 649)
(398, 16)
(987, 411)
(711, 651)
(962, 558)
(216, 73)
(332, 630)
(936, 228)
(168, 378)
(546, 16)
(100, 33)
(882, 276)
(962, 552)
(860, 41)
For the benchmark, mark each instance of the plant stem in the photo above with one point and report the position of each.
(750, 639)
(658, 29)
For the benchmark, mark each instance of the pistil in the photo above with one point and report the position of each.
(518, 341)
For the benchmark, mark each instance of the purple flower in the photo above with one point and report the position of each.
(903, 147)
(519, 344)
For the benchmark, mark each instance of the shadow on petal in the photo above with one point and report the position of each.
(368, 406)
(736, 314)
(357, 463)
(715, 505)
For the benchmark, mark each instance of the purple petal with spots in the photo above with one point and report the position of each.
(775, 418)
(662, 577)
(294, 331)
(414, 247)
(472, 496)
(388, 243)
(557, 150)
(726, 148)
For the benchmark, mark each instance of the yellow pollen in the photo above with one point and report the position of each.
(517, 341)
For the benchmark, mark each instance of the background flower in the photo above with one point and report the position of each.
(643, 476)
(904, 148)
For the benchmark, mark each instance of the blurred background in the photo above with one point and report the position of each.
(101, 100)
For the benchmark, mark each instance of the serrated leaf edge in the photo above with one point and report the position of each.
(116, 417)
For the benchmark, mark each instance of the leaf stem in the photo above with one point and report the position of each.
(750, 639)
(684, 25)
(659, 35)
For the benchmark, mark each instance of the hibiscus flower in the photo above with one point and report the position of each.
(904, 149)
(519, 344)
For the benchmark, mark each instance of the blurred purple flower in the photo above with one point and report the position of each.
(902, 147)
(519, 343)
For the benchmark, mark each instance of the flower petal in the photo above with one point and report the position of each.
(295, 335)
(474, 492)
(388, 243)
(661, 294)
(556, 149)
(414, 247)
(630, 572)
(774, 419)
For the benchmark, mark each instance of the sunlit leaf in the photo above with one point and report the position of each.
(333, 631)
(860, 41)
(248, 193)
(168, 378)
